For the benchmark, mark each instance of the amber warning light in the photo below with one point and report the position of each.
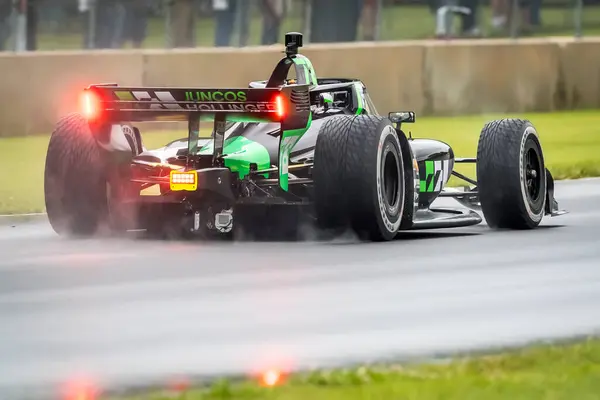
(183, 180)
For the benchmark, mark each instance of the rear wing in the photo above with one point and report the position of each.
(110, 103)
(288, 105)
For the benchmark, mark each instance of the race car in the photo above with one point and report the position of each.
(283, 154)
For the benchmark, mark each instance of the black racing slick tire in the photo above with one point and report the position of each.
(74, 179)
(359, 176)
(511, 175)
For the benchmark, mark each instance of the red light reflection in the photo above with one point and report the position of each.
(80, 390)
(271, 378)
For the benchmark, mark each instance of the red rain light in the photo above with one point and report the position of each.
(279, 103)
(90, 105)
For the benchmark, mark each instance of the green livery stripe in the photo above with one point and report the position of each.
(306, 73)
(361, 106)
(427, 179)
(239, 152)
(429, 175)
(244, 118)
(309, 72)
(436, 174)
(289, 139)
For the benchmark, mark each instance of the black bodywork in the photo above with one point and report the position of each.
(227, 185)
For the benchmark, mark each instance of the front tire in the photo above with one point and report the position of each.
(359, 176)
(511, 174)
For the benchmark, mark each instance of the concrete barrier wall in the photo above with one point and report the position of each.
(430, 77)
(36, 89)
(580, 73)
(482, 77)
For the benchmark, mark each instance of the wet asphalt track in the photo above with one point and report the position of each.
(127, 311)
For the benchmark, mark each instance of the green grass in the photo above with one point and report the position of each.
(553, 372)
(571, 143)
(399, 22)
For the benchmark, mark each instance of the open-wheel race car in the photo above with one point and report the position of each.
(283, 153)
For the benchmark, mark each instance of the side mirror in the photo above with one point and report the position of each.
(402, 116)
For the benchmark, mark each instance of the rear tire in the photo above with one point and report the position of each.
(511, 174)
(359, 176)
(74, 179)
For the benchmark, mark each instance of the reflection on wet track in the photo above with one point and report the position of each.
(134, 311)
